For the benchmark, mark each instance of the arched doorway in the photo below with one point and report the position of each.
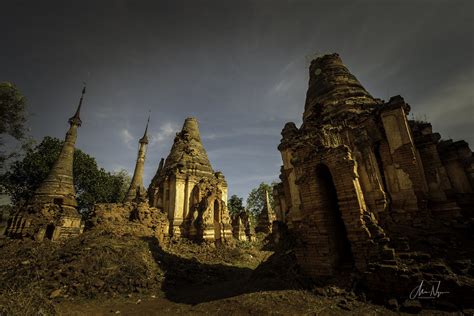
(49, 231)
(192, 224)
(339, 245)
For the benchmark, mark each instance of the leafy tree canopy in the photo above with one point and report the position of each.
(256, 198)
(12, 115)
(235, 205)
(92, 184)
(12, 111)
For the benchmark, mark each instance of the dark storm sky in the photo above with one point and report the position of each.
(240, 67)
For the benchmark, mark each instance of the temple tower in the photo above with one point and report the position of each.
(332, 89)
(358, 170)
(136, 190)
(187, 189)
(265, 218)
(52, 212)
(332, 183)
(58, 187)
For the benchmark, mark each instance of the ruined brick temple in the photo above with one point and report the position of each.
(357, 175)
(133, 216)
(186, 198)
(189, 192)
(52, 212)
(265, 218)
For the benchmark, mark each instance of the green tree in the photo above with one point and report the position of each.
(235, 205)
(125, 180)
(256, 198)
(12, 116)
(92, 184)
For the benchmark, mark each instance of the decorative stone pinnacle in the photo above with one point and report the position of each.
(76, 120)
(144, 139)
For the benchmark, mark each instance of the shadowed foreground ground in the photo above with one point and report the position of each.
(284, 302)
(102, 274)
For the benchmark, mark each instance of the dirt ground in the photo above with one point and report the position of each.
(283, 302)
(103, 274)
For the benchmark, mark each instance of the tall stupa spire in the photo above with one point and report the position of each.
(136, 189)
(76, 120)
(58, 187)
(144, 139)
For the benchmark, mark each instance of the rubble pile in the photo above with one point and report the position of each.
(86, 266)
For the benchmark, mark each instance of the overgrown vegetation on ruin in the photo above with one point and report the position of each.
(93, 184)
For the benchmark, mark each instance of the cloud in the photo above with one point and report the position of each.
(450, 108)
(239, 151)
(458, 94)
(288, 78)
(167, 130)
(255, 179)
(126, 136)
(245, 131)
(244, 72)
(210, 136)
(281, 86)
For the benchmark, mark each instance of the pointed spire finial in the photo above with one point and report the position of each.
(76, 120)
(144, 139)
